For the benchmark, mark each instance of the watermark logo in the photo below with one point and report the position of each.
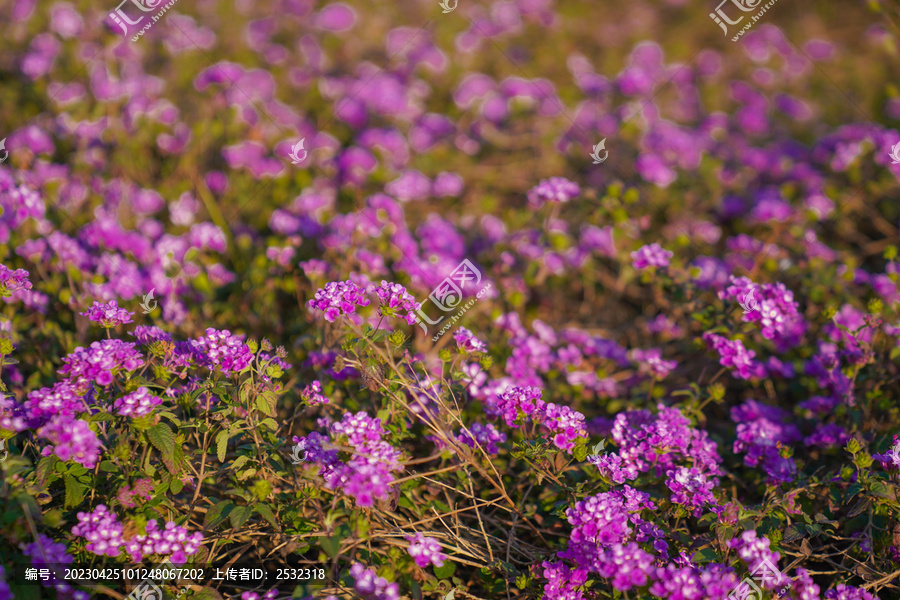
(748, 302)
(146, 590)
(3, 450)
(5, 151)
(895, 154)
(596, 153)
(449, 293)
(765, 574)
(446, 6)
(721, 18)
(119, 17)
(146, 304)
(296, 158)
(295, 455)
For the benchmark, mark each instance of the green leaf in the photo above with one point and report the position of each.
(207, 594)
(270, 423)
(218, 513)
(74, 492)
(163, 439)
(221, 445)
(446, 571)
(580, 452)
(706, 555)
(45, 467)
(268, 515)
(239, 515)
(267, 403)
(176, 486)
(794, 532)
(109, 466)
(330, 545)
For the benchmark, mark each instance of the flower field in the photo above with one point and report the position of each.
(460, 299)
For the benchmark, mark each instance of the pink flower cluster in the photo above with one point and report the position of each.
(565, 425)
(99, 362)
(755, 553)
(101, 529)
(339, 298)
(760, 430)
(222, 351)
(555, 189)
(143, 488)
(372, 587)
(136, 404)
(312, 393)
(12, 280)
(62, 399)
(71, 439)
(651, 255)
(486, 435)
(774, 309)
(467, 341)
(108, 315)
(656, 441)
(733, 355)
(425, 551)
(173, 542)
(395, 298)
(367, 475)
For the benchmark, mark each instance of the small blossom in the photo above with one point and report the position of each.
(108, 315)
(652, 255)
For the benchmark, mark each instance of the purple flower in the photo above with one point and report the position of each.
(222, 351)
(173, 542)
(102, 530)
(734, 355)
(12, 280)
(485, 435)
(43, 404)
(136, 404)
(338, 298)
(313, 393)
(652, 255)
(467, 341)
(555, 189)
(100, 361)
(372, 587)
(108, 315)
(394, 298)
(71, 439)
(425, 551)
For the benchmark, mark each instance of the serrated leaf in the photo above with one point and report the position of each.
(265, 405)
(794, 532)
(266, 511)
(580, 452)
(207, 594)
(74, 492)
(45, 467)
(270, 423)
(239, 515)
(163, 440)
(176, 486)
(218, 513)
(861, 505)
(109, 466)
(221, 445)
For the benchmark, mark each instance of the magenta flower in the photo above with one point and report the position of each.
(338, 298)
(222, 351)
(313, 393)
(486, 435)
(108, 315)
(652, 255)
(467, 341)
(394, 298)
(102, 530)
(136, 404)
(12, 281)
(71, 439)
(425, 551)
(173, 542)
(372, 587)
(555, 189)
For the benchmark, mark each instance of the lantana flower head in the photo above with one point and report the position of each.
(109, 314)
(339, 298)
